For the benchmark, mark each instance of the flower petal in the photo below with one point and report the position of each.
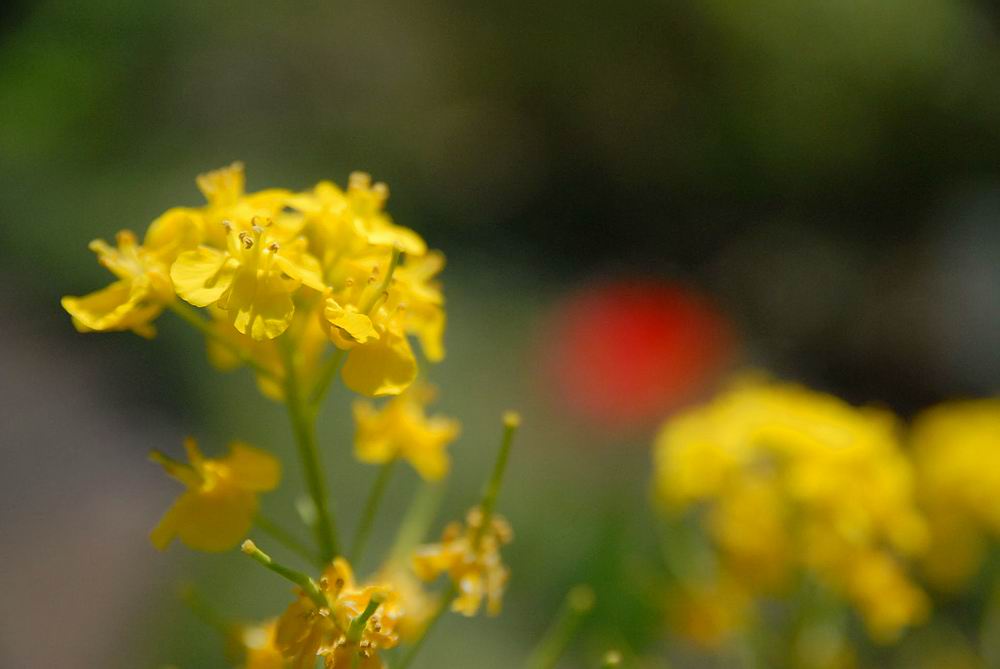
(202, 275)
(385, 366)
(252, 468)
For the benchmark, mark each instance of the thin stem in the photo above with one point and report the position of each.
(298, 578)
(579, 602)
(191, 317)
(371, 509)
(511, 421)
(304, 427)
(446, 598)
(417, 521)
(287, 539)
(325, 378)
(367, 307)
(204, 611)
(357, 627)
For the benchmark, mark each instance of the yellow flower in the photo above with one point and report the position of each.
(341, 225)
(218, 508)
(306, 630)
(252, 280)
(793, 479)
(400, 429)
(143, 287)
(957, 452)
(227, 201)
(374, 327)
(470, 555)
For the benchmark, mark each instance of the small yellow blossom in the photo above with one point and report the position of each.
(143, 287)
(306, 630)
(218, 508)
(227, 201)
(792, 479)
(340, 225)
(957, 452)
(373, 327)
(400, 429)
(252, 280)
(470, 555)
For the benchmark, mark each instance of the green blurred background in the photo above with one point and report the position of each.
(827, 172)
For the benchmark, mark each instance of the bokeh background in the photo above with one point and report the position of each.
(813, 187)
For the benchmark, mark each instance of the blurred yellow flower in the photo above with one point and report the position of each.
(470, 555)
(957, 453)
(794, 479)
(413, 607)
(220, 502)
(709, 615)
(400, 429)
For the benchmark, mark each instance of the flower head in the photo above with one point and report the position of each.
(400, 429)
(218, 507)
(470, 555)
(252, 280)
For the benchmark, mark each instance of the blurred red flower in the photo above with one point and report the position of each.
(626, 352)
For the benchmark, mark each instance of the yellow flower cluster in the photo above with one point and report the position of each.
(470, 555)
(337, 627)
(956, 449)
(283, 278)
(790, 480)
(329, 265)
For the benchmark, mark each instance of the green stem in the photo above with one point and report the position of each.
(298, 578)
(304, 427)
(357, 628)
(446, 598)
(371, 509)
(325, 378)
(191, 317)
(417, 521)
(287, 539)
(204, 611)
(579, 602)
(373, 299)
(511, 421)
